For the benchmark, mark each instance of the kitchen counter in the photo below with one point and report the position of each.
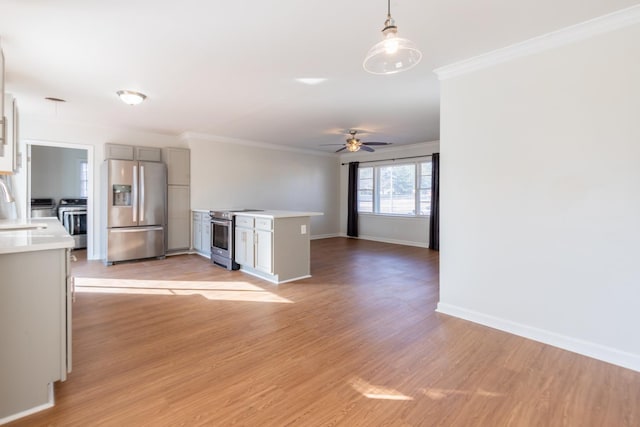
(48, 234)
(272, 214)
(35, 302)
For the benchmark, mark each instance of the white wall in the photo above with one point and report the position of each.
(55, 172)
(43, 131)
(411, 231)
(540, 196)
(227, 175)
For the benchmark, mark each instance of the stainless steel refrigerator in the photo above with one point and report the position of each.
(135, 209)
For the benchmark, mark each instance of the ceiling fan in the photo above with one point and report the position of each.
(353, 144)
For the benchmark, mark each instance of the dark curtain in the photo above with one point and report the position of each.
(352, 201)
(434, 222)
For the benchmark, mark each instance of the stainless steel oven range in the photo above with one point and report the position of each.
(72, 213)
(223, 237)
(43, 208)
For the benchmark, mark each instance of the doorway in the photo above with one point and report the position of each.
(61, 171)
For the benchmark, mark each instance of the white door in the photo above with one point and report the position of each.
(263, 261)
(206, 234)
(197, 231)
(244, 247)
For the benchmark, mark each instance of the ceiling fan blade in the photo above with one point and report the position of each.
(365, 148)
(377, 143)
(324, 145)
(342, 149)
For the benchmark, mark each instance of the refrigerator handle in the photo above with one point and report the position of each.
(141, 193)
(134, 196)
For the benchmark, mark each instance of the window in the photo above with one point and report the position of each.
(84, 179)
(395, 189)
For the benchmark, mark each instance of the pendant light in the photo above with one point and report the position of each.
(393, 54)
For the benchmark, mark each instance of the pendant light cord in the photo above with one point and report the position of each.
(389, 8)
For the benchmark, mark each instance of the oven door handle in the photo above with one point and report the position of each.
(221, 222)
(69, 222)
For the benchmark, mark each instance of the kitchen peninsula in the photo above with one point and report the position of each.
(35, 314)
(274, 245)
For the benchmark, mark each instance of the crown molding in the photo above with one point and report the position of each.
(186, 136)
(602, 24)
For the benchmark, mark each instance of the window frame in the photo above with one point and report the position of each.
(375, 196)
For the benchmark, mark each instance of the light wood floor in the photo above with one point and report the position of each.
(180, 342)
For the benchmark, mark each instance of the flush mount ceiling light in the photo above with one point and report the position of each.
(131, 97)
(393, 54)
(311, 81)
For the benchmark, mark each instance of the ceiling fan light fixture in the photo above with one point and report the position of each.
(131, 97)
(353, 143)
(392, 54)
(353, 147)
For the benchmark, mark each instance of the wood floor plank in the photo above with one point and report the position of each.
(181, 342)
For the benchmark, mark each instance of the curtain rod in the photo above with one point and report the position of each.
(386, 160)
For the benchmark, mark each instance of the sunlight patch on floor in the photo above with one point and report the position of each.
(376, 392)
(218, 291)
(440, 393)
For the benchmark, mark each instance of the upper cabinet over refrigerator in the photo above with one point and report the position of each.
(136, 193)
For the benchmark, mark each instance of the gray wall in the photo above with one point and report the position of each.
(55, 172)
(239, 175)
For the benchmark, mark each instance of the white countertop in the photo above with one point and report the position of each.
(49, 234)
(278, 214)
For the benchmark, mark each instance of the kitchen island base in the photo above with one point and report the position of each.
(274, 245)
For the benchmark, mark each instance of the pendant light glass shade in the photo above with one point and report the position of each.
(393, 54)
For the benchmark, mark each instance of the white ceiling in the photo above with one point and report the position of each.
(229, 68)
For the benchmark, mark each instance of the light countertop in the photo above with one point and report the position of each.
(42, 234)
(265, 213)
(278, 214)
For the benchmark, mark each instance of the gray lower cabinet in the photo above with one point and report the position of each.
(201, 233)
(35, 329)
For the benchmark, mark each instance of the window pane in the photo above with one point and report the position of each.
(396, 190)
(365, 190)
(84, 180)
(425, 188)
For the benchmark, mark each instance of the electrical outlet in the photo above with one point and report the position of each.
(303, 229)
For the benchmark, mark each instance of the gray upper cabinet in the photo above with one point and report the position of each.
(130, 152)
(2, 121)
(178, 165)
(9, 145)
(148, 154)
(118, 152)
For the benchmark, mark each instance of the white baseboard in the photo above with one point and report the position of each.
(586, 348)
(180, 252)
(394, 241)
(31, 411)
(324, 236)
